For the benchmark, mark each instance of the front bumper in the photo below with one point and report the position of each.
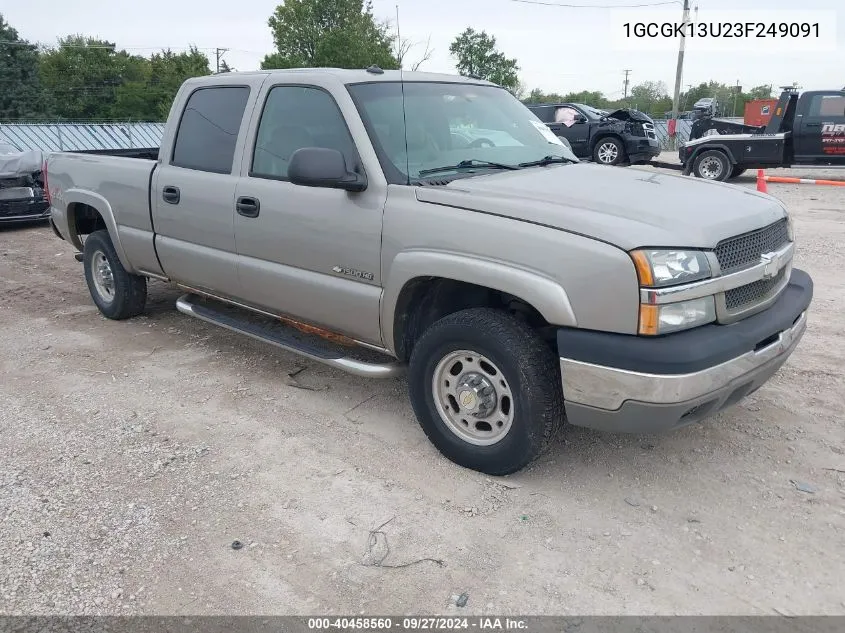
(642, 150)
(633, 384)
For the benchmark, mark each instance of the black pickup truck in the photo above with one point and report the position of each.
(806, 130)
(624, 136)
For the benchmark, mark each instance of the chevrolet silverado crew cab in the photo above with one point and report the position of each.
(384, 222)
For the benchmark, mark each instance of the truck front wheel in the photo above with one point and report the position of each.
(609, 151)
(486, 390)
(712, 165)
(116, 293)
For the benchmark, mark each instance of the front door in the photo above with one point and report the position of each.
(571, 124)
(820, 133)
(308, 252)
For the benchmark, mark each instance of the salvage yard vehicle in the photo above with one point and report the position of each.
(328, 213)
(22, 197)
(623, 136)
(805, 130)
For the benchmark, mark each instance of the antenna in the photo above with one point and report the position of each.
(404, 116)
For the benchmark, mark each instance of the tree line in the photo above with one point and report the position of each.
(653, 98)
(87, 78)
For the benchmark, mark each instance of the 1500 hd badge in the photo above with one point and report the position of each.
(351, 272)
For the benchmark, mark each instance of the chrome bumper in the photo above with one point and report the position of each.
(618, 400)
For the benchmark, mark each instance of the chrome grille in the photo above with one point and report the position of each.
(756, 292)
(745, 250)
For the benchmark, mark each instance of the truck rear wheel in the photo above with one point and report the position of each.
(486, 390)
(116, 293)
(712, 165)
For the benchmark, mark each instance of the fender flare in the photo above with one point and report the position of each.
(600, 136)
(102, 206)
(543, 293)
(708, 146)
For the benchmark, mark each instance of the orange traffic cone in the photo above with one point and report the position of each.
(761, 182)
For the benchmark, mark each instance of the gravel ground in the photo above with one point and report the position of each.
(133, 455)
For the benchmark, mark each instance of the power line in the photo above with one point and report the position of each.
(597, 6)
(116, 48)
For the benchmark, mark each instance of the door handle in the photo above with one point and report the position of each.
(812, 125)
(248, 207)
(170, 194)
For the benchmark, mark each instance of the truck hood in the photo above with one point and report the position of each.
(626, 207)
(629, 114)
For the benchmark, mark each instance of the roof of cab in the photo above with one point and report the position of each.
(352, 76)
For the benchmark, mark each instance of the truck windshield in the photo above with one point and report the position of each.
(451, 124)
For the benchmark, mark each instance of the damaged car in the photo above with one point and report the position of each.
(22, 197)
(620, 137)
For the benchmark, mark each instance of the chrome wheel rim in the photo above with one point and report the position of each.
(608, 152)
(473, 397)
(710, 168)
(103, 277)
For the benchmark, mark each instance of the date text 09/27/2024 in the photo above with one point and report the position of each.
(418, 623)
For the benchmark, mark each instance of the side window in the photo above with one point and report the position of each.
(566, 116)
(295, 117)
(208, 131)
(827, 106)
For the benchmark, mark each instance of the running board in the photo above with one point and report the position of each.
(354, 360)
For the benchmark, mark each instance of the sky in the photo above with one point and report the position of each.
(560, 49)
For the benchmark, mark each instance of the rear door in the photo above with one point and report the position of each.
(311, 253)
(819, 130)
(193, 190)
(566, 123)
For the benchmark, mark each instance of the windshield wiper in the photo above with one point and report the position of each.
(547, 160)
(467, 164)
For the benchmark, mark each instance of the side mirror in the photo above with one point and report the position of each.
(580, 118)
(323, 167)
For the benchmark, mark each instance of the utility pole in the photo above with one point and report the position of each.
(736, 92)
(398, 39)
(680, 69)
(219, 52)
(626, 71)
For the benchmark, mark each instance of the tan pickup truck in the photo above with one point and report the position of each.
(379, 221)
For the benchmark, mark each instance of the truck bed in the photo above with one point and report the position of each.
(122, 183)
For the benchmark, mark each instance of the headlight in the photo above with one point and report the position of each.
(671, 317)
(790, 228)
(657, 268)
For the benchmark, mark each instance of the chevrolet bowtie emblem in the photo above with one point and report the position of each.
(771, 265)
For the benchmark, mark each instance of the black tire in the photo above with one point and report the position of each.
(712, 165)
(129, 292)
(527, 368)
(737, 171)
(607, 146)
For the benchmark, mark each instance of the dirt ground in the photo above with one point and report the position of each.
(133, 455)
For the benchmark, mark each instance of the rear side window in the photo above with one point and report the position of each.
(208, 131)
